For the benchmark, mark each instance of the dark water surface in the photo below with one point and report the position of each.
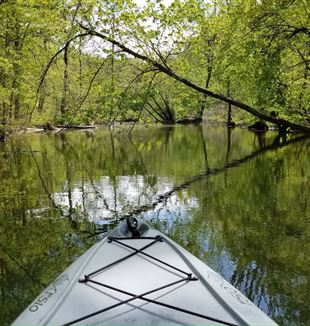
(238, 201)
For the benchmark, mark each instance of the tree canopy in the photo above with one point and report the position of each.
(82, 62)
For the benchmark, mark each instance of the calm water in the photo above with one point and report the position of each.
(238, 201)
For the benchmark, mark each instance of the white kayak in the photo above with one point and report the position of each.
(138, 276)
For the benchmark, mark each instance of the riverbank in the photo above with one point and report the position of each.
(218, 119)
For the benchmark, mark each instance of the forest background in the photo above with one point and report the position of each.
(75, 62)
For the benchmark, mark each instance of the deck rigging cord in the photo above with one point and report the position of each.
(88, 278)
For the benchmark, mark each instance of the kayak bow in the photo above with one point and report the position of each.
(138, 276)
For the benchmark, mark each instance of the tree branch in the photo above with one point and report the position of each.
(142, 72)
(181, 79)
(143, 105)
(90, 85)
(47, 67)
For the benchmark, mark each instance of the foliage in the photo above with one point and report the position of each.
(264, 57)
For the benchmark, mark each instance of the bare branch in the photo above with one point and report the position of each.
(90, 85)
(143, 105)
(76, 10)
(128, 87)
(47, 67)
(156, 112)
(151, 113)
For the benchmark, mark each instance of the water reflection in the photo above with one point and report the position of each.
(237, 200)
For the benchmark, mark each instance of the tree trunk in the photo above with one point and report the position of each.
(15, 85)
(204, 96)
(303, 89)
(209, 57)
(4, 81)
(3, 104)
(64, 104)
(230, 122)
(42, 98)
(80, 70)
(15, 102)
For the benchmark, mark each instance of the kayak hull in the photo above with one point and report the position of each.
(142, 280)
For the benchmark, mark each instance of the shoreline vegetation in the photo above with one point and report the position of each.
(216, 116)
(57, 129)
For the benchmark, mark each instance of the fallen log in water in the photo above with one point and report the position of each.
(76, 127)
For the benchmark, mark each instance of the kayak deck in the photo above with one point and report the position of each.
(141, 280)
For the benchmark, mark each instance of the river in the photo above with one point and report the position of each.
(239, 201)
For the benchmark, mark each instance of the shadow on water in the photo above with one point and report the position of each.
(237, 200)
